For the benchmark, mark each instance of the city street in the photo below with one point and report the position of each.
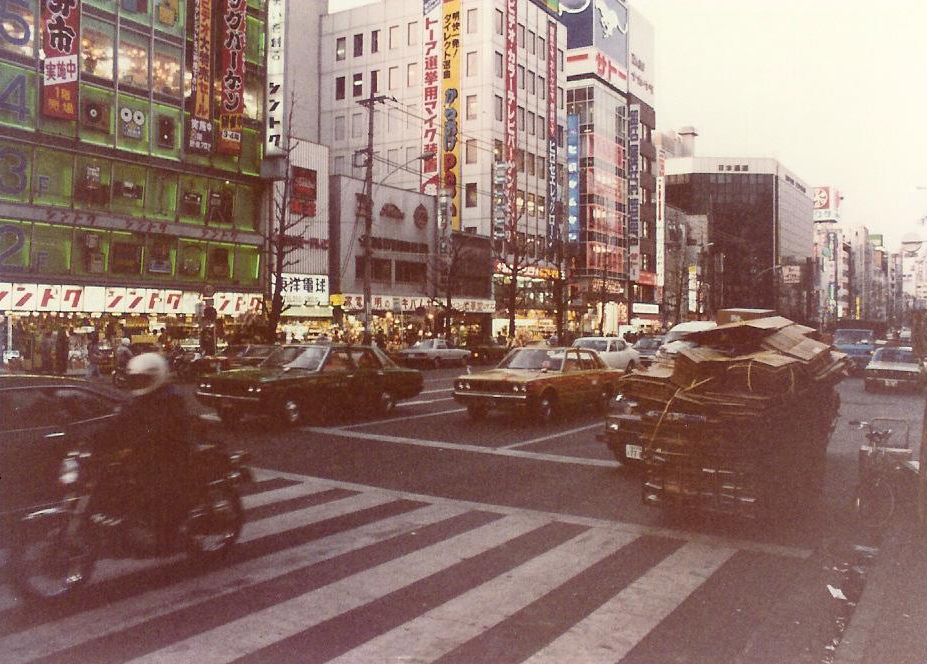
(426, 537)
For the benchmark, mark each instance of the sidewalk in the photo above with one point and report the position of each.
(889, 625)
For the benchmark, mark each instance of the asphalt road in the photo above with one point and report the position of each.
(424, 536)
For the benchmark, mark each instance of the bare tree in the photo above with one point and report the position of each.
(511, 253)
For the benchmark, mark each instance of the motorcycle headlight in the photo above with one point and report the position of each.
(69, 471)
(205, 386)
(254, 389)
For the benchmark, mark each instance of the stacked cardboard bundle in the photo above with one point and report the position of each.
(721, 421)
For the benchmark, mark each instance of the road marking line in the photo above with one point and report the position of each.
(420, 403)
(611, 631)
(768, 548)
(387, 421)
(446, 389)
(249, 634)
(540, 439)
(472, 613)
(441, 445)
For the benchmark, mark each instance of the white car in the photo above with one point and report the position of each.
(434, 352)
(617, 353)
(674, 340)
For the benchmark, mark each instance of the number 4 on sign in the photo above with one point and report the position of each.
(13, 98)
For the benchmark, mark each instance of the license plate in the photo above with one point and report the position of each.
(891, 383)
(633, 451)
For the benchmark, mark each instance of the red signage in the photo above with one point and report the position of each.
(431, 94)
(199, 135)
(61, 45)
(511, 110)
(553, 231)
(233, 77)
(304, 196)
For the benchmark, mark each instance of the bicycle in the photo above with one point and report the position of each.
(887, 473)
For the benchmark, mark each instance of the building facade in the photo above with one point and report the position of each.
(833, 280)
(760, 235)
(132, 139)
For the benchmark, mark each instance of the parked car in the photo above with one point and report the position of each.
(647, 347)
(302, 380)
(42, 418)
(894, 367)
(617, 353)
(231, 357)
(488, 351)
(858, 344)
(434, 353)
(542, 382)
(674, 340)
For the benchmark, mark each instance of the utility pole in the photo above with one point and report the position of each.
(365, 210)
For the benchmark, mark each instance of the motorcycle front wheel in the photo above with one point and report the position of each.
(49, 562)
(215, 525)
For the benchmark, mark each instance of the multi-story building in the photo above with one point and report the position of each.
(468, 92)
(832, 274)
(684, 292)
(132, 138)
(760, 235)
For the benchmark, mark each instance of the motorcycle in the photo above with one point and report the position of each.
(58, 547)
(183, 363)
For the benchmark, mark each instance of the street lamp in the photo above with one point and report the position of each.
(368, 245)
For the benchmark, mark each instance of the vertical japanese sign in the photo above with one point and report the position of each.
(431, 13)
(233, 77)
(553, 230)
(450, 140)
(200, 132)
(661, 223)
(572, 165)
(634, 206)
(274, 145)
(61, 45)
(511, 110)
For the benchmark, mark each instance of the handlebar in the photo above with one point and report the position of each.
(878, 434)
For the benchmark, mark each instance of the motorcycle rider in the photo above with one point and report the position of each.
(123, 355)
(156, 426)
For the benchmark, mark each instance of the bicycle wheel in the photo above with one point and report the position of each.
(875, 502)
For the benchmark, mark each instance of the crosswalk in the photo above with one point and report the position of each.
(331, 571)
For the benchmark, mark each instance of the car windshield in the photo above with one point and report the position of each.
(648, 343)
(255, 351)
(676, 334)
(903, 355)
(852, 337)
(296, 357)
(427, 343)
(600, 345)
(533, 359)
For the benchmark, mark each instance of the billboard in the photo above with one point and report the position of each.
(634, 208)
(511, 110)
(826, 204)
(641, 59)
(431, 56)
(61, 46)
(572, 165)
(553, 231)
(450, 134)
(661, 222)
(200, 128)
(275, 99)
(602, 24)
(232, 49)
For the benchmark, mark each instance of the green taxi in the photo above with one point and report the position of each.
(311, 381)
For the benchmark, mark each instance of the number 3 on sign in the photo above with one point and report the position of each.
(12, 171)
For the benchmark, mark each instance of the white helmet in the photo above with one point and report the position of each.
(146, 372)
(125, 341)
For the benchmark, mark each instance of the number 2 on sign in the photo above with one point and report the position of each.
(19, 241)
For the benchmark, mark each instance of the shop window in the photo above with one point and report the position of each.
(92, 180)
(133, 60)
(161, 195)
(96, 49)
(15, 245)
(105, 5)
(135, 10)
(128, 189)
(125, 255)
(15, 168)
(51, 249)
(219, 261)
(168, 15)
(245, 212)
(52, 177)
(91, 252)
(165, 70)
(254, 41)
(247, 267)
(220, 204)
(96, 115)
(408, 272)
(133, 121)
(251, 144)
(17, 96)
(167, 129)
(254, 97)
(191, 263)
(160, 256)
(193, 193)
(17, 27)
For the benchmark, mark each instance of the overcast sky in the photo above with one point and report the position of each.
(835, 89)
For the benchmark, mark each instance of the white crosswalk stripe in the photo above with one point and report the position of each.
(460, 532)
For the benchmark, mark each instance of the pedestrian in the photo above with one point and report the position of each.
(93, 357)
(381, 339)
(47, 351)
(62, 351)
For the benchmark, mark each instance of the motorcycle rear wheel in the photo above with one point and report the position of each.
(49, 563)
(215, 525)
